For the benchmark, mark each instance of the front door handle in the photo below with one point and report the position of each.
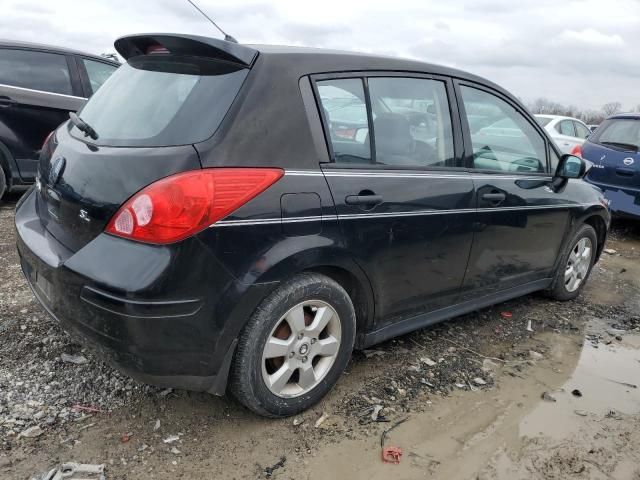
(494, 197)
(366, 200)
(7, 102)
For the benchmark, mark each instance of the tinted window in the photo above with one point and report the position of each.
(515, 147)
(162, 100)
(619, 132)
(345, 111)
(554, 160)
(581, 130)
(411, 122)
(566, 128)
(98, 72)
(35, 70)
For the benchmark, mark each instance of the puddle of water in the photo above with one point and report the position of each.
(599, 377)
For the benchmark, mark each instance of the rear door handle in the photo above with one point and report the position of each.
(7, 102)
(363, 200)
(494, 197)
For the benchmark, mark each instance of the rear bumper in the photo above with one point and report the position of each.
(623, 201)
(165, 315)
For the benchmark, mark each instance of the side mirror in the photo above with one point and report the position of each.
(571, 166)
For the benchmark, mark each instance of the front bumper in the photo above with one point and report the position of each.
(165, 315)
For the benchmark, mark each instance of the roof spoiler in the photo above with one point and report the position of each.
(192, 45)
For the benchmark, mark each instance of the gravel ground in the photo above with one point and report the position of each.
(53, 391)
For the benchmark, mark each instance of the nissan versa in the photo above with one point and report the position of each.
(245, 215)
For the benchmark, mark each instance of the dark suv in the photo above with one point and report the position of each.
(221, 212)
(39, 86)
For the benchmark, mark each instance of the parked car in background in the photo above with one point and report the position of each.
(39, 86)
(204, 221)
(567, 132)
(593, 127)
(613, 150)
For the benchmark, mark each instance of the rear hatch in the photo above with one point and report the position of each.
(173, 92)
(613, 149)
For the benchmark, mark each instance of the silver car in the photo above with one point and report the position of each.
(567, 132)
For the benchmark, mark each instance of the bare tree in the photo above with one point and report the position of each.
(611, 108)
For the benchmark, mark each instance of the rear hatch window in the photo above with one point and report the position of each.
(619, 133)
(162, 100)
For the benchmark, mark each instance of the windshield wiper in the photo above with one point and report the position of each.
(626, 146)
(83, 126)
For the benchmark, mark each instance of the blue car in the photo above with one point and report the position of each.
(613, 150)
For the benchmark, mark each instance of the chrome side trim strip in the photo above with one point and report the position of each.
(355, 216)
(386, 174)
(42, 91)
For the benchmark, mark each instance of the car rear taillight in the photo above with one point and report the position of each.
(577, 151)
(181, 205)
(46, 140)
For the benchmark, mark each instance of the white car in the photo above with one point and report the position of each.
(567, 132)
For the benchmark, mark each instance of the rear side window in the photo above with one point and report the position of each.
(410, 117)
(345, 113)
(411, 122)
(98, 72)
(508, 142)
(47, 72)
(162, 101)
(621, 133)
(581, 130)
(566, 128)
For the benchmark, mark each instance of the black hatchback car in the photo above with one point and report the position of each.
(221, 213)
(39, 86)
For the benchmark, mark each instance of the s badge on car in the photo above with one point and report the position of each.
(84, 216)
(57, 167)
(628, 161)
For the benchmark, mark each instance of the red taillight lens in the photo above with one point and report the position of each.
(47, 139)
(181, 205)
(577, 151)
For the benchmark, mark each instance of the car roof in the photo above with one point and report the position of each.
(301, 60)
(559, 117)
(52, 49)
(632, 116)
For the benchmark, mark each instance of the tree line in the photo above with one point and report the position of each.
(589, 116)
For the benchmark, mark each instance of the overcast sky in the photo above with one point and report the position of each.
(583, 52)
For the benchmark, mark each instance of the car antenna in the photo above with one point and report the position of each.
(227, 37)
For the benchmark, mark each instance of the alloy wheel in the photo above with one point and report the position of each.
(301, 349)
(578, 264)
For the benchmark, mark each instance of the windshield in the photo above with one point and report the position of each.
(619, 131)
(543, 120)
(162, 101)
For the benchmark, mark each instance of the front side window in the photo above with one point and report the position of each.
(566, 128)
(345, 112)
(411, 122)
(47, 72)
(507, 142)
(98, 72)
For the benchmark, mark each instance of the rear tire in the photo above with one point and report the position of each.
(3, 183)
(575, 265)
(295, 346)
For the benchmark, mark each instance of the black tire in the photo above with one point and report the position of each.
(246, 377)
(559, 291)
(3, 183)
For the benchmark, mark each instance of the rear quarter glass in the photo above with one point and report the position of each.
(162, 100)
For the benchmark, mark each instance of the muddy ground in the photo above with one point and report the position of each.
(464, 398)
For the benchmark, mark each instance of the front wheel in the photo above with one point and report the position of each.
(295, 346)
(576, 264)
(3, 183)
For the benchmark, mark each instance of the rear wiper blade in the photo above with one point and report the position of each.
(625, 146)
(83, 126)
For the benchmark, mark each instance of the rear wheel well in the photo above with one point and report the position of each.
(600, 227)
(356, 292)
